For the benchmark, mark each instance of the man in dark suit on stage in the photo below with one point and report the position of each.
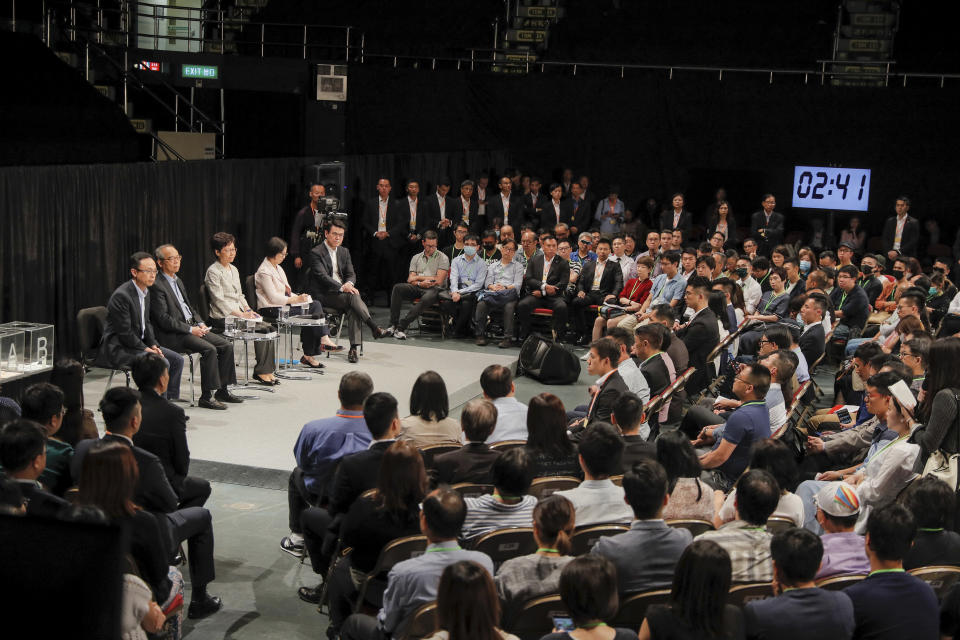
(383, 225)
(413, 218)
(307, 230)
(128, 331)
(506, 207)
(701, 334)
(333, 282)
(23, 456)
(179, 328)
(598, 281)
(534, 202)
(163, 431)
(766, 226)
(582, 213)
(555, 210)
(545, 281)
(901, 233)
(440, 212)
(473, 462)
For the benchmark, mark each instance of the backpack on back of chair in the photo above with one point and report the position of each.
(547, 361)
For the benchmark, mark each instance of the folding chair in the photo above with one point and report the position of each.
(472, 489)
(506, 445)
(91, 323)
(633, 607)
(535, 618)
(396, 551)
(422, 623)
(503, 544)
(694, 525)
(584, 539)
(940, 577)
(432, 451)
(838, 583)
(543, 487)
(778, 524)
(741, 594)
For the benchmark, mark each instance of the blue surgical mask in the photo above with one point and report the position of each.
(805, 267)
(470, 250)
(932, 291)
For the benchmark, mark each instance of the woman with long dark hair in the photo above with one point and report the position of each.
(522, 578)
(588, 589)
(550, 449)
(467, 605)
(428, 422)
(689, 497)
(722, 221)
(698, 598)
(940, 409)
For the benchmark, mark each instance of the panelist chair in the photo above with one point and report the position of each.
(91, 323)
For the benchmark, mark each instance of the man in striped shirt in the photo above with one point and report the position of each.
(509, 505)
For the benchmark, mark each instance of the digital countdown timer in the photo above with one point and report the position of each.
(834, 188)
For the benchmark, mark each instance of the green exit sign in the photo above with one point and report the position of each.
(201, 71)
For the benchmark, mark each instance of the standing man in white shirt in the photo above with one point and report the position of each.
(383, 225)
(751, 288)
(497, 384)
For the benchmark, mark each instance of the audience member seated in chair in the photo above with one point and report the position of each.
(227, 299)
(78, 423)
(549, 447)
(501, 290)
(645, 555)
(509, 505)
(746, 538)
(23, 457)
(690, 497)
(128, 331)
(467, 604)
(597, 499)
(850, 304)
(319, 447)
(180, 328)
(526, 577)
(698, 599)
(599, 282)
(700, 335)
(473, 462)
(889, 603)
(43, 403)
(930, 499)
(496, 381)
(588, 590)
(838, 508)
(545, 280)
(392, 512)
(602, 362)
(274, 293)
(656, 366)
(429, 422)
(627, 417)
(427, 277)
(163, 431)
(414, 582)
(468, 272)
(773, 456)
(800, 609)
(748, 424)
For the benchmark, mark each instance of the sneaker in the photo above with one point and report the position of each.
(389, 331)
(399, 335)
(291, 547)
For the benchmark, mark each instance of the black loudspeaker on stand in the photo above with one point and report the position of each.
(547, 361)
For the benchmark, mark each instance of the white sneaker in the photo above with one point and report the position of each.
(399, 335)
(389, 331)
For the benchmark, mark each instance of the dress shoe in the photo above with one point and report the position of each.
(481, 341)
(506, 343)
(307, 363)
(352, 355)
(381, 333)
(225, 396)
(203, 608)
(309, 594)
(211, 403)
(269, 383)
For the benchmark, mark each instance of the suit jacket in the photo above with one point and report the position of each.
(153, 491)
(666, 220)
(166, 314)
(636, 449)
(602, 407)
(908, 240)
(163, 432)
(811, 343)
(773, 230)
(611, 282)
(473, 462)
(453, 212)
(646, 555)
(548, 216)
(355, 474)
(305, 221)
(422, 221)
(700, 337)
(41, 502)
(121, 336)
(581, 214)
(495, 211)
(321, 268)
(395, 221)
(559, 275)
(532, 208)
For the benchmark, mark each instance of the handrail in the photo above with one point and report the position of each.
(166, 147)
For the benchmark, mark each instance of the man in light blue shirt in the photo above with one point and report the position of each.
(497, 384)
(467, 275)
(414, 582)
(501, 289)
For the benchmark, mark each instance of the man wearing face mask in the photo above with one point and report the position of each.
(751, 288)
(489, 252)
(467, 274)
(869, 281)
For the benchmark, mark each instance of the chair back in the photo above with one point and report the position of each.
(422, 623)
(633, 608)
(741, 594)
(584, 539)
(250, 291)
(472, 489)
(503, 544)
(617, 480)
(203, 304)
(543, 487)
(941, 578)
(694, 525)
(90, 326)
(779, 524)
(506, 445)
(838, 583)
(430, 452)
(535, 618)
(396, 551)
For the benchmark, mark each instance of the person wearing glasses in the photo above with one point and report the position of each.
(128, 331)
(179, 328)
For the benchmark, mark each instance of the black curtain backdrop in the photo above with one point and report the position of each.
(69, 230)
(654, 136)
